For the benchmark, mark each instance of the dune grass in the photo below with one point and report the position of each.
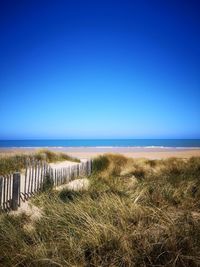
(16, 162)
(135, 213)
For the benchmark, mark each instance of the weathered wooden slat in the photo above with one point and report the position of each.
(45, 172)
(16, 191)
(75, 172)
(10, 190)
(67, 173)
(77, 167)
(4, 193)
(87, 167)
(25, 179)
(29, 179)
(55, 182)
(90, 166)
(35, 177)
(63, 175)
(1, 190)
(32, 176)
(71, 172)
(52, 176)
(5, 197)
(41, 172)
(38, 176)
(59, 176)
(56, 175)
(82, 168)
(63, 178)
(7, 191)
(42, 175)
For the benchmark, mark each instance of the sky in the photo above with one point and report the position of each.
(99, 69)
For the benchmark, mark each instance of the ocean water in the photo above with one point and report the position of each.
(178, 143)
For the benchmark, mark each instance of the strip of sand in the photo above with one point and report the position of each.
(134, 152)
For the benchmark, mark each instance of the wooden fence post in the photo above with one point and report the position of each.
(90, 166)
(16, 190)
(1, 189)
(87, 164)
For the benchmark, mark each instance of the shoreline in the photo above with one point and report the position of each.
(99, 147)
(152, 152)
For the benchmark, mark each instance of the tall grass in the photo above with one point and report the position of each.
(51, 156)
(11, 163)
(135, 213)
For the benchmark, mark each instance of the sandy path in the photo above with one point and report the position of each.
(35, 213)
(55, 165)
(65, 164)
(76, 185)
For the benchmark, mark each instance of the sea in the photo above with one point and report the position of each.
(143, 143)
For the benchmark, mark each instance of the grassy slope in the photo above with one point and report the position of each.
(136, 213)
(18, 162)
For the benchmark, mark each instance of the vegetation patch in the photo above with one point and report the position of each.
(134, 213)
(18, 162)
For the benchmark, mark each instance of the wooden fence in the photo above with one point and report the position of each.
(37, 176)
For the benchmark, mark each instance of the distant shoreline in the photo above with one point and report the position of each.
(101, 143)
(134, 152)
(102, 148)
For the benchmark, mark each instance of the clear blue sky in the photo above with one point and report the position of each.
(99, 69)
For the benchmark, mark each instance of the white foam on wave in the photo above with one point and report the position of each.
(101, 147)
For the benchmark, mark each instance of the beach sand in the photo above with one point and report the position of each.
(133, 152)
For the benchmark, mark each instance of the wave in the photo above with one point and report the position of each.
(101, 147)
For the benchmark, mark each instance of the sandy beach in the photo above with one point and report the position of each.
(134, 152)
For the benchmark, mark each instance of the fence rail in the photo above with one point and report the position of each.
(17, 187)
